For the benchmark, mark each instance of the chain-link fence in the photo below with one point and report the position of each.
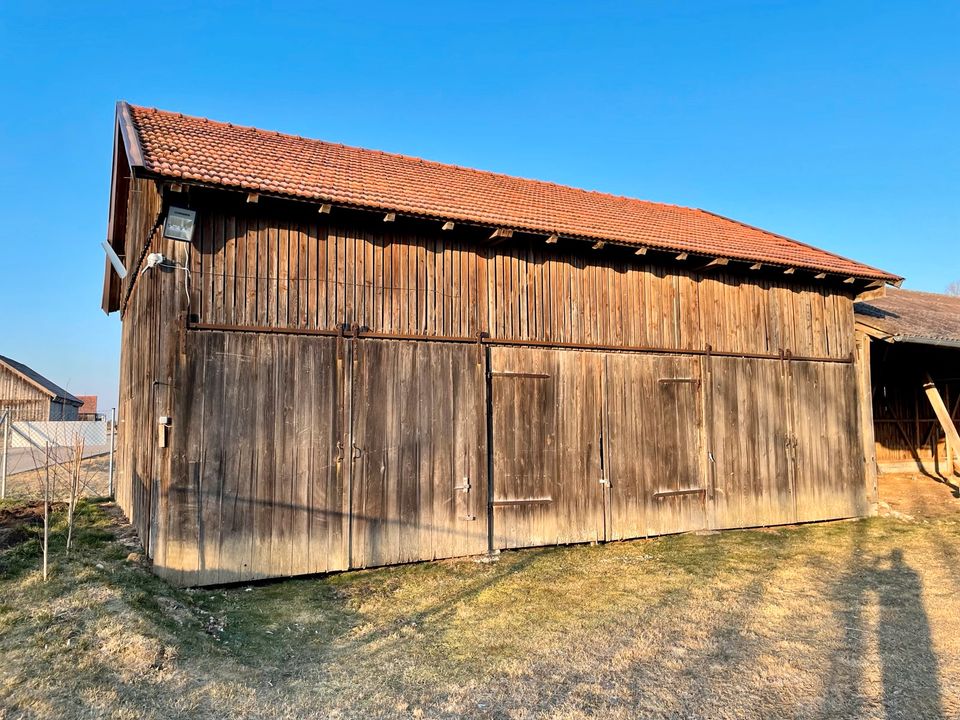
(34, 452)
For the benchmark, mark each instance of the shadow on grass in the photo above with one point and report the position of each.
(909, 671)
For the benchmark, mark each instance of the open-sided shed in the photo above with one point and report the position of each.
(356, 358)
(915, 379)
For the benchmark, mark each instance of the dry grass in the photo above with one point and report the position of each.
(841, 620)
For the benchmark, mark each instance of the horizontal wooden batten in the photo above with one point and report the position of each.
(523, 501)
(678, 493)
(517, 342)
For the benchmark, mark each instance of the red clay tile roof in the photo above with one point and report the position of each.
(195, 149)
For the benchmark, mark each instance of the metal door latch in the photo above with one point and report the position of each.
(605, 481)
(357, 452)
(465, 487)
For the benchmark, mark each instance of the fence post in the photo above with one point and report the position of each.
(113, 436)
(3, 460)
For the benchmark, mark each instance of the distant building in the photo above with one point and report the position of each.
(28, 395)
(88, 411)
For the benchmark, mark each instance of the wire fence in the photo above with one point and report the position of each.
(33, 453)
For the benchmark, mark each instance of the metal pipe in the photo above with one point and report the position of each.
(3, 460)
(524, 343)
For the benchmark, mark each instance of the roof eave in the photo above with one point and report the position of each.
(876, 276)
(880, 334)
(920, 340)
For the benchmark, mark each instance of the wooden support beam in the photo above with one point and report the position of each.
(640, 251)
(552, 240)
(683, 256)
(756, 266)
(448, 225)
(390, 217)
(716, 262)
(599, 245)
(789, 271)
(501, 234)
(849, 281)
(820, 276)
(943, 415)
(864, 395)
(325, 209)
(253, 197)
(175, 187)
(871, 294)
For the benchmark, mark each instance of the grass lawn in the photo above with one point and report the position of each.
(838, 620)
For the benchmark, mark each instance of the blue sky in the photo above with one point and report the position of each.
(832, 122)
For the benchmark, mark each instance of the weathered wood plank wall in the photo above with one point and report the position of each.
(138, 463)
(24, 400)
(295, 453)
(253, 270)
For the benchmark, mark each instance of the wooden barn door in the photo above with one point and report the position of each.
(653, 457)
(417, 463)
(545, 442)
(752, 442)
(828, 456)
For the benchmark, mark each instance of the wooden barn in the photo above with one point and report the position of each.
(28, 395)
(336, 358)
(915, 380)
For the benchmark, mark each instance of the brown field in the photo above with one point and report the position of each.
(837, 620)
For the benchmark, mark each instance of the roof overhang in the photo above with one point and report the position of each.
(127, 164)
(878, 334)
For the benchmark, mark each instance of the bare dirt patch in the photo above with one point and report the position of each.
(16, 522)
(919, 496)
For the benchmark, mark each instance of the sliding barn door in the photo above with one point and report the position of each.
(653, 459)
(416, 451)
(545, 439)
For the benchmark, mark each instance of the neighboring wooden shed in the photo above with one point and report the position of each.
(28, 395)
(361, 358)
(915, 379)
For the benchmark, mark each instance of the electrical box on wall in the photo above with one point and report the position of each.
(163, 430)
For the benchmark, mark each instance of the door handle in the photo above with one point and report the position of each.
(357, 452)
